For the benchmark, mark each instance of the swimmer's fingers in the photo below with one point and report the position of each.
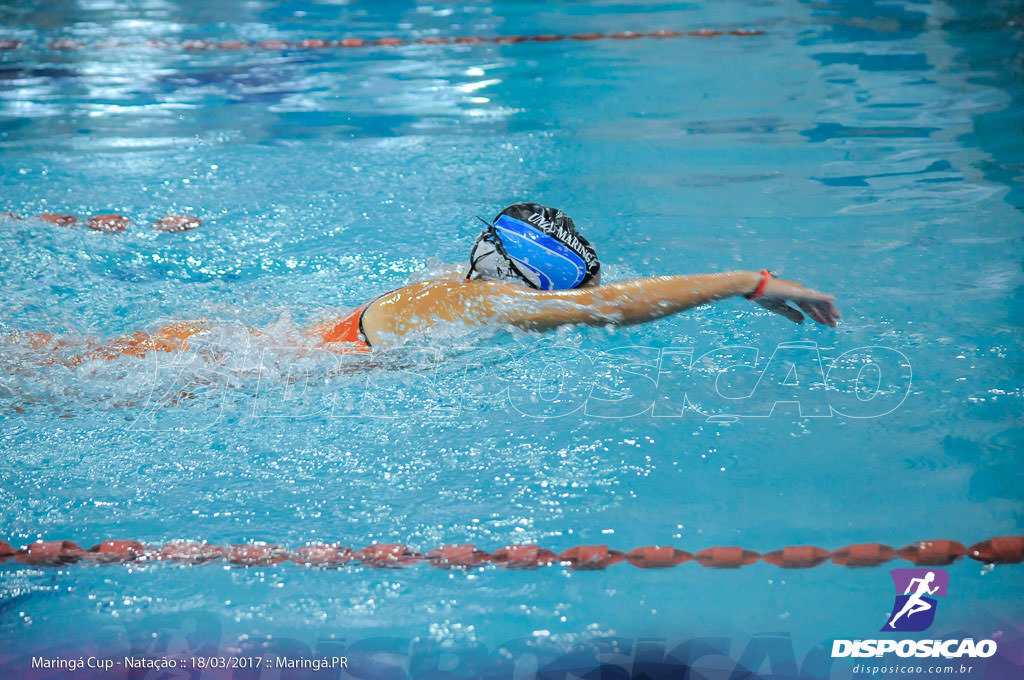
(820, 305)
(817, 305)
(779, 306)
(828, 312)
(818, 312)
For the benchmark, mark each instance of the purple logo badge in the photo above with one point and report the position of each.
(914, 609)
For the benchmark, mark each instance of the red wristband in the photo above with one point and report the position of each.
(759, 291)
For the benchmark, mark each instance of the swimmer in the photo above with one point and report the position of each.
(529, 268)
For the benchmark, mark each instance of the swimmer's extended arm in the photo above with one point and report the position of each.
(420, 305)
(641, 300)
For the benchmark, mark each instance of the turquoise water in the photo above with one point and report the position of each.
(868, 149)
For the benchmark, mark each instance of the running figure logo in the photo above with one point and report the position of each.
(914, 610)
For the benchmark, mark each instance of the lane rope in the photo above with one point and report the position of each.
(997, 550)
(198, 44)
(112, 223)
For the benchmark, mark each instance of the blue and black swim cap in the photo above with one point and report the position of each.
(535, 244)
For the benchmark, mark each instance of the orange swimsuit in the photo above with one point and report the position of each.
(350, 330)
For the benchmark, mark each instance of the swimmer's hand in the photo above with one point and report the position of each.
(778, 293)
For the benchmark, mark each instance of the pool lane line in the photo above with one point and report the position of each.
(112, 223)
(997, 550)
(198, 44)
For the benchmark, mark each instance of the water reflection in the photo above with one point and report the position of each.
(123, 75)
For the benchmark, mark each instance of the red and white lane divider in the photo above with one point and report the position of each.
(68, 44)
(112, 223)
(998, 550)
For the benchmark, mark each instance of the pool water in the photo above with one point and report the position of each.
(868, 149)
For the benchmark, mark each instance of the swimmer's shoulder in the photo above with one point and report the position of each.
(418, 305)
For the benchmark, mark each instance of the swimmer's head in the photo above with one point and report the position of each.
(537, 245)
